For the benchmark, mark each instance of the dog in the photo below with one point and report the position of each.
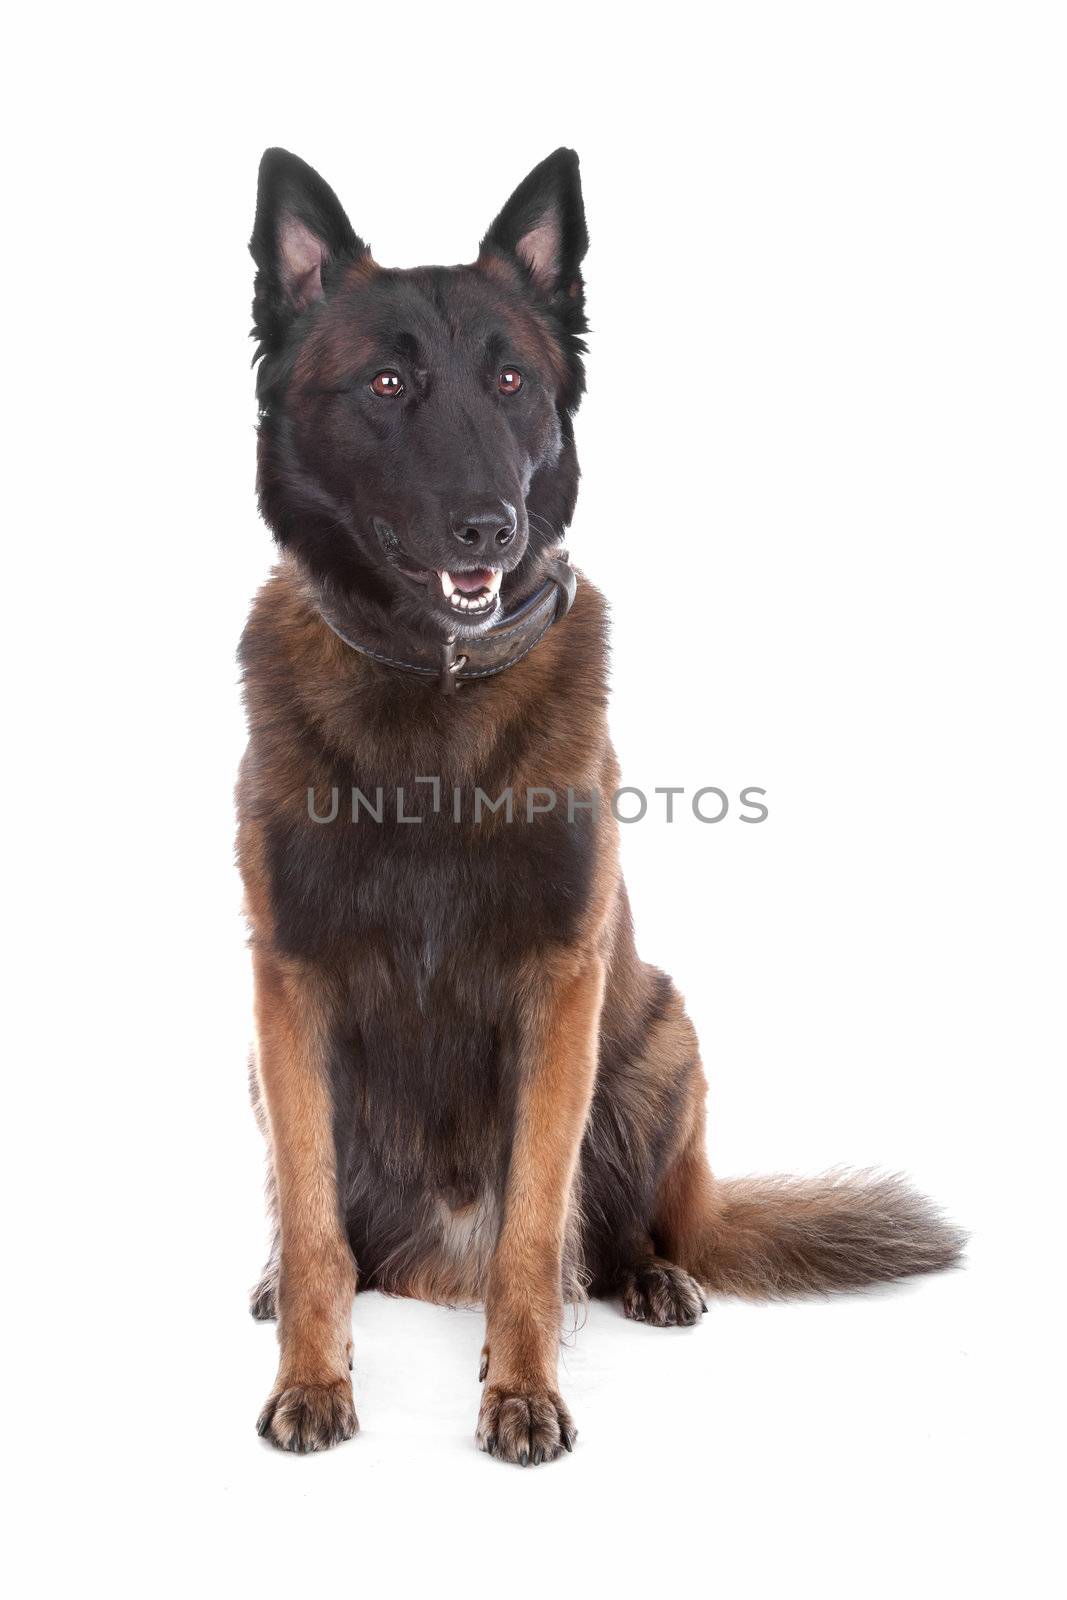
(471, 1087)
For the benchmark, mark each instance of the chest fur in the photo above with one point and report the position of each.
(432, 899)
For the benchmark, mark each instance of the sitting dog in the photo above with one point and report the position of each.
(471, 1086)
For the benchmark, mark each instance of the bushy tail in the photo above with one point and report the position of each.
(774, 1237)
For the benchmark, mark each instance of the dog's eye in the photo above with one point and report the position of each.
(509, 381)
(387, 384)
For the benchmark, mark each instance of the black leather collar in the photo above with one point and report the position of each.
(499, 647)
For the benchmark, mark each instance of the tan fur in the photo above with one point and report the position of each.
(769, 1238)
(317, 1278)
(524, 1303)
(464, 1071)
(577, 1005)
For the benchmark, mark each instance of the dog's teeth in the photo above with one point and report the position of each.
(482, 601)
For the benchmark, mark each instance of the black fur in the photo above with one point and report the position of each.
(471, 990)
(337, 464)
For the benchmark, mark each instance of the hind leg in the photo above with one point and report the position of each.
(648, 1108)
(647, 1178)
(684, 1219)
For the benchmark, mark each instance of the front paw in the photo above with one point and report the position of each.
(310, 1416)
(526, 1427)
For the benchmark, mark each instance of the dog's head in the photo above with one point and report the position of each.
(416, 451)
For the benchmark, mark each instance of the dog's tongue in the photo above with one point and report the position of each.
(472, 582)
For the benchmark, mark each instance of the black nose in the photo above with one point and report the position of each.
(485, 529)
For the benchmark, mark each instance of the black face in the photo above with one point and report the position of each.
(416, 449)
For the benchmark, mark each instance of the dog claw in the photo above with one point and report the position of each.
(662, 1295)
(526, 1427)
(308, 1417)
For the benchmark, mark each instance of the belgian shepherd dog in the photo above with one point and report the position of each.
(471, 1086)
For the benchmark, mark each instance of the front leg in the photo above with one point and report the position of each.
(310, 1406)
(522, 1416)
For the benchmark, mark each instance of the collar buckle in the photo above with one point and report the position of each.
(451, 664)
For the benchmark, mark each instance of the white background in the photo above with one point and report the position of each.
(823, 458)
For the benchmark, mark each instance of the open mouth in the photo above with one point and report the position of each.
(472, 594)
(471, 591)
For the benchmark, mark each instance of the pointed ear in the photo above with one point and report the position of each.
(543, 227)
(300, 231)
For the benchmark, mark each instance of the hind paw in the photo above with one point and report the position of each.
(659, 1293)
